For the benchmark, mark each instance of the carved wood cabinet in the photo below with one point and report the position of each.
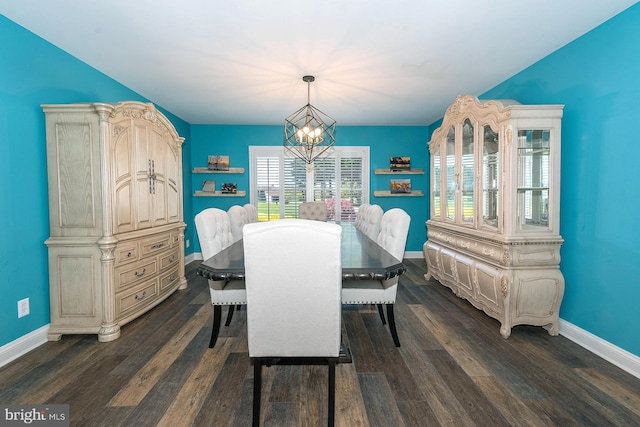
(115, 210)
(493, 235)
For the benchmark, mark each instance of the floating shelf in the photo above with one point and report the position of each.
(219, 194)
(387, 193)
(207, 170)
(413, 171)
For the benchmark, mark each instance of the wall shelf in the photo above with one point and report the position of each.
(219, 194)
(413, 171)
(207, 170)
(387, 193)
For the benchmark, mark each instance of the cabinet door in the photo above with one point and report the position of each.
(173, 181)
(466, 175)
(490, 178)
(158, 189)
(436, 182)
(143, 176)
(450, 174)
(123, 177)
(534, 174)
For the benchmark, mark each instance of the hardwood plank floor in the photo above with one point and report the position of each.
(453, 369)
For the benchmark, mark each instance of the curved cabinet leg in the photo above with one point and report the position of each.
(109, 332)
(392, 325)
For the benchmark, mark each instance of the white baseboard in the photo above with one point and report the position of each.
(23, 345)
(609, 352)
(192, 257)
(413, 254)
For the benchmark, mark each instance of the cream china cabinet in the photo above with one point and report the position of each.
(493, 235)
(115, 210)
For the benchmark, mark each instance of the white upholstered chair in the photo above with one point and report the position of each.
(252, 212)
(293, 301)
(316, 211)
(238, 217)
(214, 234)
(370, 221)
(360, 215)
(394, 229)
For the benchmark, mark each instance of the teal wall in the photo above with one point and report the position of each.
(384, 142)
(596, 77)
(34, 72)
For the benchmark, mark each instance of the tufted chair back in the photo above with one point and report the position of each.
(252, 212)
(316, 211)
(371, 221)
(214, 231)
(361, 214)
(238, 217)
(394, 229)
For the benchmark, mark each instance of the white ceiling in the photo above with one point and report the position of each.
(376, 62)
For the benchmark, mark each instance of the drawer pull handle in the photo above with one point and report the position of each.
(172, 277)
(129, 254)
(157, 246)
(140, 274)
(140, 297)
(173, 258)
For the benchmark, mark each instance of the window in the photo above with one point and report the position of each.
(280, 182)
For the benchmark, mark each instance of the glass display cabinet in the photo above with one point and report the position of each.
(493, 235)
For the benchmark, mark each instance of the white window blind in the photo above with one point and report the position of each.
(279, 183)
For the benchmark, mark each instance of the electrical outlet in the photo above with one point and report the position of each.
(188, 243)
(23, 307)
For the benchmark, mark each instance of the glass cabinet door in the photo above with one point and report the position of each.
(436, 208)
(533, 178)
(490, 175)
(451, 174)
(467, 175)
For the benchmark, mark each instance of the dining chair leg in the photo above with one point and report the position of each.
(217, 316)
(381, 312)
(229, 315)
(332, 393)
(257, 388)
(392, 325)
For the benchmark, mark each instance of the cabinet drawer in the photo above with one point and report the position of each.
(169, 259)
(130, 274)
(130, 301)
(175, 239)
(127, 252)
(168, 279)
(155, 244)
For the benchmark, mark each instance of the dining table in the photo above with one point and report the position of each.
(362, 259)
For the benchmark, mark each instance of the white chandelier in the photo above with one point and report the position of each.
(308, 132)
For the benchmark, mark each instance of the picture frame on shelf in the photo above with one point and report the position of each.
(229, 188)
(399, 164)
(400, 186)
(209, 185)
(218, 163)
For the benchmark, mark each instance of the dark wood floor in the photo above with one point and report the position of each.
(453, 369)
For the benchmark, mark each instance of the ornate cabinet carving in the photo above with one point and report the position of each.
(115, 212)
(493, 234)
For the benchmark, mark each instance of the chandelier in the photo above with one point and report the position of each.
(308, 132)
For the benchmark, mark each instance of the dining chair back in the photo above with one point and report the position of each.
(360, 215)
(252, 212)
(214, 234)
(238, 217)
(394, 229)
(370, 224)
(316, 211)
(293, 301)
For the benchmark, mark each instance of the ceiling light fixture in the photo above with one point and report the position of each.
(308, 132)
